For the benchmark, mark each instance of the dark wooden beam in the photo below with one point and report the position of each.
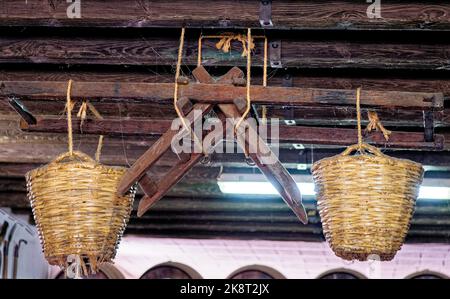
(341, 14)
(125, 153)
(109, 127)
(220, 93)
(157, 50)
(326, 78)
(340, 136)
(302, 115)
(154, 153)
(287, 134)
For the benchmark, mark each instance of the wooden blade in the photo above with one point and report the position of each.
(175, 174)
(275, 172)
(271, 167)
(154, 153)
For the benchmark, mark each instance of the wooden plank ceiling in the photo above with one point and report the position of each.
(121, 57)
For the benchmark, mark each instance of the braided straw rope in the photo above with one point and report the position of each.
(77, 209)
(366, 201)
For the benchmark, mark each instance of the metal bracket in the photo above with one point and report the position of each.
(20, 108)
(287, 80)
(265, 13)
(428, 123)
(289, 117)
(275, 54)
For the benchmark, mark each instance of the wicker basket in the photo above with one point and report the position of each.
(77, 210)
(366, 201)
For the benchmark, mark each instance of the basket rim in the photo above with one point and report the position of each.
(37, 172)
(384, 158)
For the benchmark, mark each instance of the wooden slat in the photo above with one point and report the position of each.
(157, 50)
(154, 153)
(220, 93)
(175, 174)
(287, 134)
(43, 151)
(327, 78)
(339, 14)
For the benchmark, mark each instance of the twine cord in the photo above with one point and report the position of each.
(375, 124)
(248, 44)
(224, 43)
(175, 93)
(244, 43)
(69, 117)
(358, 115)
(82, 113)
(249, 64)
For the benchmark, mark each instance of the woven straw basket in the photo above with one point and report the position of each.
(77, 209)
(366, 201)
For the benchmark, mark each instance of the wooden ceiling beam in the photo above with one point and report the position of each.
(326, 78)
(287, 134)
(418, 15)
(219, 93)
(126, 153)
(161, 51)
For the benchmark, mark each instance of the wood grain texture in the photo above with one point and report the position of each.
(155, 50)
(348, 14)
(219, 93)
(32, 149)
(287, 134)
(328, 79)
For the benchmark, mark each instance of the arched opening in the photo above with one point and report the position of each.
(341, 274)
(427, 275)
(256, 272)
(171, 270)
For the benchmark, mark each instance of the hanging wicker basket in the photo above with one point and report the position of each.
(366, 201)
(77, 210)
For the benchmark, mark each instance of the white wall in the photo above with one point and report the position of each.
(30, 262)
(219, 258)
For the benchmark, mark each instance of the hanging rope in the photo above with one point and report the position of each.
(82, 113)
(242, 38)
(225, 43)
(375, 124)
(358, 115)
(69, 117)
(249, 65)
(175, 94)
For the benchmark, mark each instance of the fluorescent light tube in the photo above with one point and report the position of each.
(259, 188)
(307, 189)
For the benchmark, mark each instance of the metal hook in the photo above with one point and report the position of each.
(206, 160)
(249, 161)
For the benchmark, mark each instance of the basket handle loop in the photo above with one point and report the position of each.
(75, 154)
(360, 147)
(86, 105)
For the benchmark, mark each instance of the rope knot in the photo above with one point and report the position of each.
(82, 112)
(375, 124)
(224, 43)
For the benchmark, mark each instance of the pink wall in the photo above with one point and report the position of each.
(219, 258)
